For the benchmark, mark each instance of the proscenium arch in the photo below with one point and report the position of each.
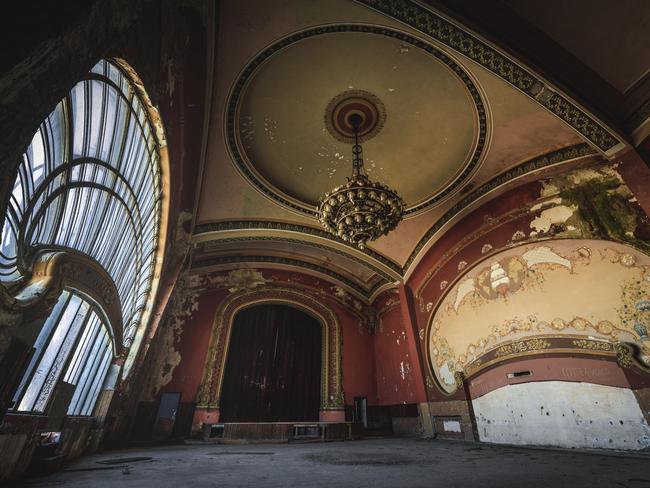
(97, 167)
(209, 395)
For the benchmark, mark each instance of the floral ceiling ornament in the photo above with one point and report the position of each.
(360, 210)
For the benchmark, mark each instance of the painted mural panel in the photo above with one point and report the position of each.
(563, 414)
(573, 287)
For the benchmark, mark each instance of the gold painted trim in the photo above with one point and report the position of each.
(428, 241)
(627, 357)
(537, 352)
(458, 37)
(156, 122)
(534, 346)
(332, 398)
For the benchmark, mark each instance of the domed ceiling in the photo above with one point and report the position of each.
(462, 123)
(429, 141)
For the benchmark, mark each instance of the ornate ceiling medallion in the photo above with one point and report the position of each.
(359, 102)
(361, 210)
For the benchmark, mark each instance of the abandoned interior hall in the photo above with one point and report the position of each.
(312, 242)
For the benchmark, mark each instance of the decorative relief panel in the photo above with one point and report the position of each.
(587, 294)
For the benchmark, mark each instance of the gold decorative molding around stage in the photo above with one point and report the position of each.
(332, 397)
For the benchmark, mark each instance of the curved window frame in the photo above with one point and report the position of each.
(93, 180)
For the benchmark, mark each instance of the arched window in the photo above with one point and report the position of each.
(90, 181)
(74, 346)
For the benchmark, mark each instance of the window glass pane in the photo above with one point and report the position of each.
(74, 346)
(91, 372)
(91, 179)
(97, 385)
(49, 357)
(41, 341)
(83, 349)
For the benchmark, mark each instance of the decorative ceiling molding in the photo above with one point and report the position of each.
(247, 239)
(467, 44)
(553, 158)
(367, 294)
(238, 225)
(246, 167)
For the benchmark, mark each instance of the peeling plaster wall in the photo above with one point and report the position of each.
(602, 209)
(178, 340)
(358, 361)
(571, 287)
(395, 378)
(192, 347)
(178, 359)
(562, 414)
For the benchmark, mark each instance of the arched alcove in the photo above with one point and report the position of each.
(541, 337)
(576, 296)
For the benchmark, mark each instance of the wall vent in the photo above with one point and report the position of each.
(518, 374)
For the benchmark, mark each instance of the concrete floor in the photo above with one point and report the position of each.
(373, 463)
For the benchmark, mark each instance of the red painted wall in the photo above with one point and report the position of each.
(395, 372)
(193, 347)
(492, 224)
(358, 364)
(358, 359)
(587, 370)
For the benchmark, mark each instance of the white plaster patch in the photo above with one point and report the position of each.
(451, 426)
(446, 375)
(552, 201)
(464, 288)
(589, 174)
(563, 414)
(550, 216)
(404, 369)
(544, 254)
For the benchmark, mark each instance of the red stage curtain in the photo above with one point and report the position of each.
(273, 367)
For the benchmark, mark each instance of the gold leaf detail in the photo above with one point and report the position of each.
(592, 345)
(522, 346)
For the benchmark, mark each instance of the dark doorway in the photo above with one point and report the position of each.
(166, 415)
(273, 368)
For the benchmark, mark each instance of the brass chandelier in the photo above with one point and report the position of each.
(360, 210)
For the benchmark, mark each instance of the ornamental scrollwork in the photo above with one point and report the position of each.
(592, 345)
(522, 346)
(624, 355)
(471, 46)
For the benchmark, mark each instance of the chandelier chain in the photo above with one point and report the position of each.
(361, 210)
